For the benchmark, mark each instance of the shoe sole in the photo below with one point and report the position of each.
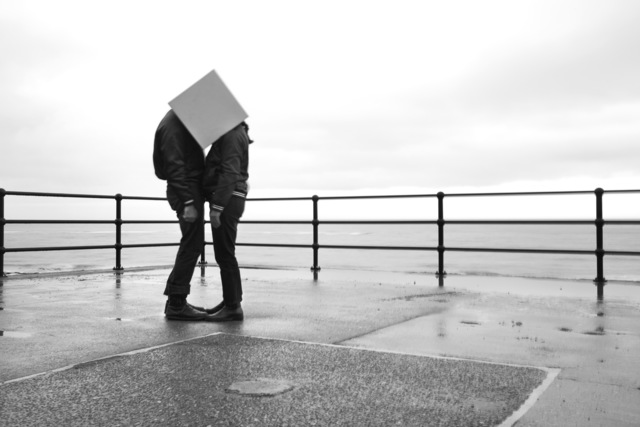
(226, 319)
(184, 318)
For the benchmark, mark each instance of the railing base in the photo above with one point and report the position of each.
(441, 276)
(600, 287)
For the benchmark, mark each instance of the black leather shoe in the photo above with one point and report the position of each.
(215, 309)
(186, 312)
(226, 315)
(211, 310)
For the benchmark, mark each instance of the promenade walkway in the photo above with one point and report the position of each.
(354, 348)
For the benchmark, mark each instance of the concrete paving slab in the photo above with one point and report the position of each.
(558, 324)
(49, 322)
(189, 384)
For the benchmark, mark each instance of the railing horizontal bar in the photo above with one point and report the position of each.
(379, 222)
(144, 198)
(277, 199)
(621, 222)
(58, 248)
(274, 222)
(388, 196)
(399, 248)
(530, 251)
(270, 245)
(621, 191)
(522, 222)
(79, 196)
(622, 253)
(524, 193)
(135, 221)
(59, 221)
(149, 245)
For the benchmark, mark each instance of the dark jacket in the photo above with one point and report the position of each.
(226, 168)
(178, 159)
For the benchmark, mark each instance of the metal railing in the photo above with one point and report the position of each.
(599, 223)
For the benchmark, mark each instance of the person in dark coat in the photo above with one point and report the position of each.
(226, 187)
(179, 160)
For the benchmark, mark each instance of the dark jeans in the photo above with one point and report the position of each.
(224, 247)
(191, 244)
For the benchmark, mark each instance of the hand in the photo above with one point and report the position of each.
(215, 218)
(190, 213)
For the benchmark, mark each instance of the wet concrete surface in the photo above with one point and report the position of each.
(50, 323)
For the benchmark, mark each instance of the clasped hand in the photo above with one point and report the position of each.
(214, 216)
(190, 213)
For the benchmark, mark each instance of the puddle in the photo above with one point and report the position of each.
(14, 334)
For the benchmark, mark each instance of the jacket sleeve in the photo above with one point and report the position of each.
(228, 172)
(173, 153)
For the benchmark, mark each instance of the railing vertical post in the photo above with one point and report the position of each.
(203, 258)
(2, 223)
(118, 268)
(599, 280)
(315, 268)
(441, 274)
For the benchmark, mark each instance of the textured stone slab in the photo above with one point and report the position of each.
(188, 384)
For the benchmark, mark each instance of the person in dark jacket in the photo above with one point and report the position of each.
(225, 186)
(179, 160)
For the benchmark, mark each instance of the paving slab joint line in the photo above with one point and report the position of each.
(552, 373)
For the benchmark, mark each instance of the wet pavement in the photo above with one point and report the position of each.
(352, 348)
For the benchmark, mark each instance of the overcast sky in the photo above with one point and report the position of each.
(344, 97)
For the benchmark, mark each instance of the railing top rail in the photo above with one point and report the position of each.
(519, 193)
(622, 191)
(383, 196)
(388, 196)
(278, 199)
(143, 198)
(79, 196)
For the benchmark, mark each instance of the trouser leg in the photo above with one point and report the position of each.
(224, 246)
(191, 244)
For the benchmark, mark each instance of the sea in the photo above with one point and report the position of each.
(425, 261)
